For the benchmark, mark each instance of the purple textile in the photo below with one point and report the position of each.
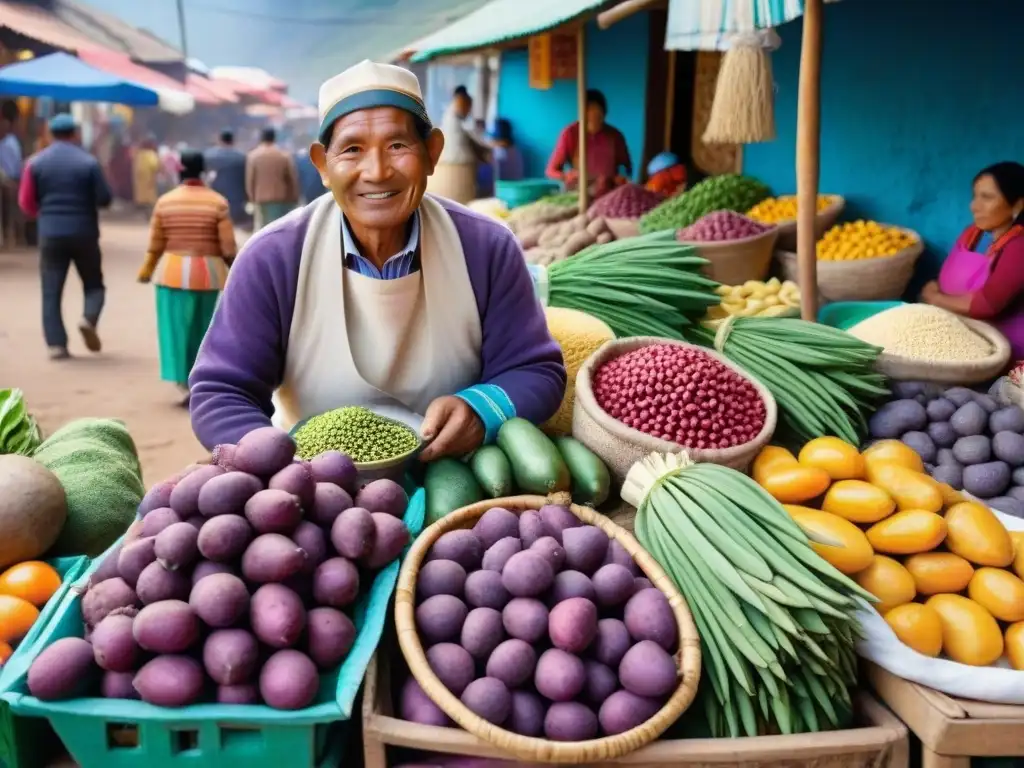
(242, 359)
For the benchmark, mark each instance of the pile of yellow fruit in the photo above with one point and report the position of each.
(862, 240)
(948, 576)
(776, 210)
(757, 299)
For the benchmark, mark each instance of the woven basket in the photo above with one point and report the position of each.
(623, 228)
(524, 747)
(881, 278)
(969, 372)
(733, 262)
(824, 220)
(620, 447)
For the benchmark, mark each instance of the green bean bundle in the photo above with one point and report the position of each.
(776, 621)
(640, 286)
(822, 378)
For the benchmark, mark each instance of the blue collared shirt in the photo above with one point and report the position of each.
(401, 264)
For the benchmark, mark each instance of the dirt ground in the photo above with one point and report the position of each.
(121, 382)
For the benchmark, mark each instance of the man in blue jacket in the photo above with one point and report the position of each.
(63, 187)
(226, 166)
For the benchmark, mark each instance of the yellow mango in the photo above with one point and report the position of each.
(887, 580)
(895, 451)
(970, 634)
(770, 456)
(999, 592)
(1015, 645)
(907, 532)
(841, 460)
(852, 556)
(917, 626)
(938, 572)
(795, 484)
(975, 533)
(910, 489)
(858, 501)
(950, 495)
(1017, 537)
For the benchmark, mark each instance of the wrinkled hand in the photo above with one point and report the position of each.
(455, 427)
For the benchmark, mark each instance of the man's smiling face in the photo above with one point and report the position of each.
(377, 165)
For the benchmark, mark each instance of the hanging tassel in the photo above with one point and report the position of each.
(743, 111)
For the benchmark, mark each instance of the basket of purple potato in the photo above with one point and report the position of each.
(544, 630)
(251, 594)
(737, 248)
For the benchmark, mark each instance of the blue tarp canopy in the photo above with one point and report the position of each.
(63, 77)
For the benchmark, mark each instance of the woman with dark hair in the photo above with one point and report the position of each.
(607, 153)
(983, 275)
(191, 246)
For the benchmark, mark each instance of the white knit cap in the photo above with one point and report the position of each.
(367, 85)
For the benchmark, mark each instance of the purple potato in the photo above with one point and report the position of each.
(63, 670)
(273, 511)
(220, 600)
(170, 681)
(264, 452)
(383, 496)
(525, 618)
(106, 596)
(206, 568)
(336, 468)
(330, 635)
(498, 553)
(484, 590)
(353, 533)
(464, 547)
(611, 642)
(389, 539)
(453, 666)
(440, 577)
(640, 583)
(560, 676)
(224, 538)
(439, 619)
(177, 546)
(601, 682)
(648, 670)
(272, 557)
(224, 456)
(618, 555)
(313, 541)
(496, 524)
(118, 685)
(157, 584)
(623, 711)
(108, 566)
(157, 520)
(527, 574)
(157, 497)
(527, 716)
(572, 624)
(277, 616)
(416, 707)
(336, 583)
(585, 548)
(133, 559)
(613, 584)
(531, 528)
(247, 693)
(184, 498)
(558, 519)
(549, 548)
(296, 479)
(648, 616)
(570, 721)
(169, 626)
(482, 632)
(512, 662)
(329, 501)
(489, 698)
(228, 493)
(113, 644)
(569, 584)
(231, 656)
(289, 680)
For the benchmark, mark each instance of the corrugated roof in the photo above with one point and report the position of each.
(111, 32)
(40, 24)
(501, 21)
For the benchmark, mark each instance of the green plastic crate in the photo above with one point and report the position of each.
(20, 738)
(517, 193)
(109, 733)
(846, 314)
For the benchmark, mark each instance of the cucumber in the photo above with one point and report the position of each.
(537, 465)
(590, 479)
(449, 485)
(493, 471)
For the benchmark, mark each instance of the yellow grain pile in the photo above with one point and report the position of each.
(923, 332)
(578, 334)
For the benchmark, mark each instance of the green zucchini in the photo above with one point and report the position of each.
(449, 485)
(590, 479)
(537, 465)
(493, 471)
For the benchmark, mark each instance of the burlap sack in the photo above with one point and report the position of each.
(620, 446)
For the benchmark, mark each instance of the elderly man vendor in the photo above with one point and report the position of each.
(378, 295)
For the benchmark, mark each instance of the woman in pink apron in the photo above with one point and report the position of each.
(983, 276)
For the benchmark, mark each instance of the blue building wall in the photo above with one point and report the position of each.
(617, 61)
(914, 104)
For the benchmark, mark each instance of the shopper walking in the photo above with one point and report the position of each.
(10, 174)
(225, 166)
(271, 180)
(145, 169)
(191, 245)
(64, 188)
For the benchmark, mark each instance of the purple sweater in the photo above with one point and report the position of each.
(242, 358)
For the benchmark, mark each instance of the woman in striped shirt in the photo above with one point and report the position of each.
(191, 246)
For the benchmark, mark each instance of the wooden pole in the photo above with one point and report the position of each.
(624, 11)
(581, 96)
(808, 150)
(670, 98)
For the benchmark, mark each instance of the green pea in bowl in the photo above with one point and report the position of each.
(391, 468)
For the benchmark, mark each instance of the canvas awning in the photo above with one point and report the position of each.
(41, 24)
(63, 77)
(499, 22)
(707, 25)
(121, 65)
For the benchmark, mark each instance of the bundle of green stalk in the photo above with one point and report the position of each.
(776, 621)
(822, 378)
(640, 286)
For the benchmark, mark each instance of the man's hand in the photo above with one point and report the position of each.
(454, 426)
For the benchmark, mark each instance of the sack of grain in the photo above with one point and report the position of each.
(620, 446)
(578, 334)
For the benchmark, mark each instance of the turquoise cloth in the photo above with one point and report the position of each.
(182, 318)
(273, 211)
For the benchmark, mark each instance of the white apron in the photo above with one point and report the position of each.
(392, 344)
(455, 181)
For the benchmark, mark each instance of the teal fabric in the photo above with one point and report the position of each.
(379, 97)
(492, 404)
(273, 211)
(182, 318)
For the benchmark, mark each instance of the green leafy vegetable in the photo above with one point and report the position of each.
(19, 432)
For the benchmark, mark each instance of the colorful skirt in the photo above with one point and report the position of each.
(182, 318)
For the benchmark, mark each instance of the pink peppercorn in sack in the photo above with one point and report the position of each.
(742, 425)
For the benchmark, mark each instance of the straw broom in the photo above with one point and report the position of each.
(743, 110)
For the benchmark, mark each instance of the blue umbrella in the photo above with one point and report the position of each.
(63, 77)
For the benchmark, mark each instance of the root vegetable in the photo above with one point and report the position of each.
(220, 600)
(611, 642)
(482, 632)
(526, 574)
(113, 644)
(532, 528)
(157, 520)
(453, 666)
(570, 584)
(484, 589)
(157, 497)
(500, 552)
(623, 711)
(264, 452)
(118, 685)
(527, 715)
(494, 525)
(272, 557)
(100, 599)
(570, 721)
(170, 681)
(353, 533)
(177, 546)
(389, 539)
(648, 616)
(223, 539)
(184, 498)
(416, 707)
(489, 698)
(228, 493)
(334, 467)
(313, 541)
(156, 584)
(170, 626)
(277, 616)
(440, 577)
(512, 662)
(273, 511)
(613, 584)
(560, 676)
(134, 558)
(549, 548)
(617, 554)
(572, 624)
(557, 519)
(336, 583)
(238, 694)
(289, 680)
(525, 618)
(648, 670)
(384, 496)
(329, 501)
(298, 480)
(329, 636)
(63, 670)
(439, 619)
(585, 548)
(464, 547)
(231, 656)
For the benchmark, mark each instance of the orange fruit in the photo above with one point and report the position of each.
(33, 581)
(5, 653)
(16, 618)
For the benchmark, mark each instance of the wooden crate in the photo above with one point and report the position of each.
(951, 730)
(882, 741)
